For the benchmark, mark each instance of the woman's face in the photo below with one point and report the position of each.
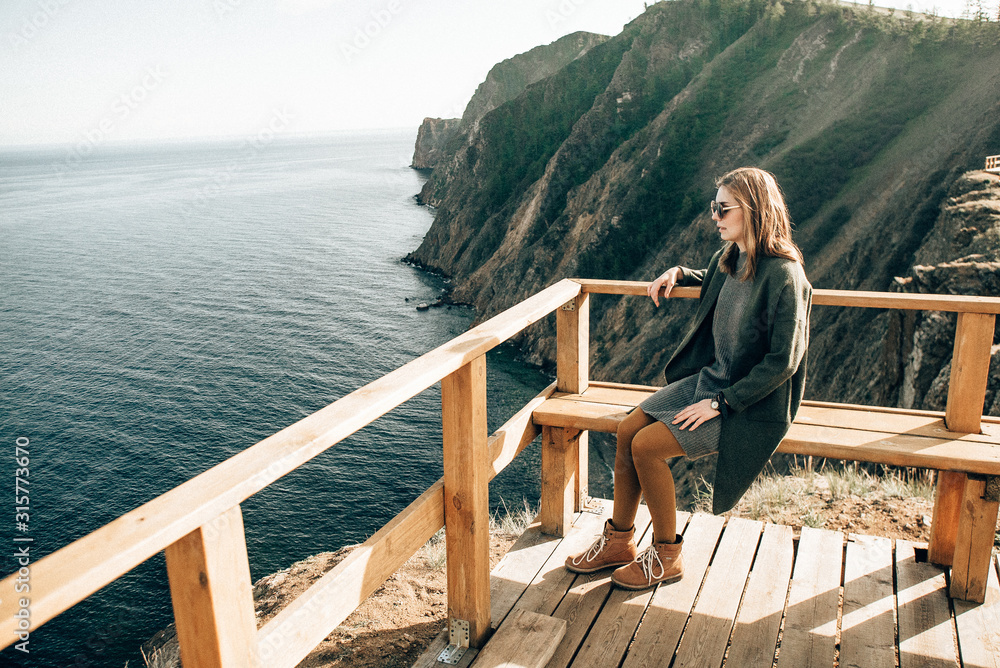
(729, 223)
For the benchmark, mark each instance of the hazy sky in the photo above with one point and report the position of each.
(107, 70)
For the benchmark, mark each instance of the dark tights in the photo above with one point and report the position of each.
(641, 469)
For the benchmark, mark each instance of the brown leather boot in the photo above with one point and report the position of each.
(660, 562)
(613, 548)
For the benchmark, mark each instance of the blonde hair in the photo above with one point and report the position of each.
(767, 227)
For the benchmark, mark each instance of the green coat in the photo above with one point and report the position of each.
(768, 371)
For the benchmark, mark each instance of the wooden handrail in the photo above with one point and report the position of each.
(74, 572)
(856, 298)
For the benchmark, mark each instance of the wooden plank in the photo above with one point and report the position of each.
(526, 640)
(906, 301)
(877, 419)
(609, 637)
(896, 450)
(755, 636)
(844, 416)
(853, 298)
(582, 604)
(994, 420)
(587, 597)
(707, 634)
(430, 655)
(970, 367)
(560, 460)
(573, 344)
(466, 497)
(868, 631)
(212, 596)
(926, 632)
(72, 573)
(948, 492)
(977, 525)
(548, 589)
(814, 440)
(602, 394)
(518, 569)
(570, 414)
(634, 288)
(581, 493)
(623, 386)
(809, 636)
(671, 604)
(516, 434)
(979, 627)
(291, 634)
(827, 414)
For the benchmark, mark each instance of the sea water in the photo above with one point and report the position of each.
(166, 306)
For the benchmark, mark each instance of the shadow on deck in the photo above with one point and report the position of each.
(753, 595)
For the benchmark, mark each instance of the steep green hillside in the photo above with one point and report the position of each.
(605, 168)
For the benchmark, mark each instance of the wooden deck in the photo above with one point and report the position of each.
(753, 595)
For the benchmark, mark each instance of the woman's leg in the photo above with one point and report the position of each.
(651, 447)
(627, 489)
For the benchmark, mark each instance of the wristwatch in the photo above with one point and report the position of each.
(719, 403)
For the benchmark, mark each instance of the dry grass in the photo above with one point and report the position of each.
(802, 496)
(506, 522)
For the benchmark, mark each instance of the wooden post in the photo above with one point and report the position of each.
(560, 459)
(466, 494)
(974, 544)
(212, 596)
(944, 524)
(573, 376)
(581, 494)
(970, 367)
(573, 345)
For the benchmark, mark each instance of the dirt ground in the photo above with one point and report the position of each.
(394, 625)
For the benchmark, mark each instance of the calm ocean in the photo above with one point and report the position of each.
(164, 307)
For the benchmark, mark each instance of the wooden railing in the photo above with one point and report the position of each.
(200, 527)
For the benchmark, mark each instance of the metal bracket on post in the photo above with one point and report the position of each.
(591, 505)
(570, 305)
(458, 642)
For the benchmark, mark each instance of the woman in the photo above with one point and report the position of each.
(733, 384)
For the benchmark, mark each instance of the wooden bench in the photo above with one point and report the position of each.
(961, 537)
(960, 443)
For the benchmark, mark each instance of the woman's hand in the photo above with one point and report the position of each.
(667, 280)
(695, 414)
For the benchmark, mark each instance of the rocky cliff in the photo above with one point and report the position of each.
(505, 81)
(432, 138)
(604, 169)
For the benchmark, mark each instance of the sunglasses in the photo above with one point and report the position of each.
(718, 209)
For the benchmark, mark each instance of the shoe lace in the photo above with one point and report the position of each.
(594, 551)
(646, 560)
